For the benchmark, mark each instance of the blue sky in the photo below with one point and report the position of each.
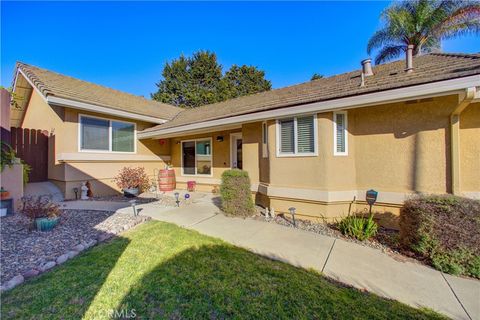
(124, 45)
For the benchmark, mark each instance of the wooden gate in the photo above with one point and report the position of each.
(32, 146)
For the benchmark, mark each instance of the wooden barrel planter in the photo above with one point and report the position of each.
(166, 180)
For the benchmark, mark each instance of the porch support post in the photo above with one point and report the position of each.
(464, 100)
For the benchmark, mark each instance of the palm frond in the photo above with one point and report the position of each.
(389, 52)
(379, 38)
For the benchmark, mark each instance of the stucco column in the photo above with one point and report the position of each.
(251, 140)
(464, 100)
(5, 115)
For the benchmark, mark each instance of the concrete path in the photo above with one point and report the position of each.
(46, 188)
(347, 262)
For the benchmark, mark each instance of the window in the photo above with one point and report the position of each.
(264, 139)
(197, 157)
(297, 136)
(98, 134)
(340, 136)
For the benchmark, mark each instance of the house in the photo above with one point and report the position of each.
(316, 146)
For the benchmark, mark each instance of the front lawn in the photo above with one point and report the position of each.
(159, 270)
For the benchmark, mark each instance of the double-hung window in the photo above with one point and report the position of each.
(197, 157)
(104, 135)
(297, 136)
(340, 134)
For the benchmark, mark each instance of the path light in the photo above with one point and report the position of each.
(176, 198)
(134, 203)
(76, 193)
(292, 212)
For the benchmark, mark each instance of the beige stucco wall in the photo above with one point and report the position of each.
(62, 123)
(11, 179)
(470, 149)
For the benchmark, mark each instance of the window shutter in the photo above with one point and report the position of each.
(340, 134)
(305, 135)
(287, 136)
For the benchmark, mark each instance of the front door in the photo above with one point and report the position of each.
(236, 143)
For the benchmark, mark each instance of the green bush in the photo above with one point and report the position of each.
(358, 227)
(236, 194)
(445, 230)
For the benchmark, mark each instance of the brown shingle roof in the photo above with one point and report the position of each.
(58, 85)
(428, 68)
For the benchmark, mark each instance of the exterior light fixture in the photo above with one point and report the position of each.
(76, 193)
(219, 138)
(134, 203)
(176, 194)
(292, 212)
(371, 198)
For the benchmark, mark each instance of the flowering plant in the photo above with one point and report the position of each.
(129, 178)
(35, 207)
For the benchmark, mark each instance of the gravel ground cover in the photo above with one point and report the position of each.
(26, 252)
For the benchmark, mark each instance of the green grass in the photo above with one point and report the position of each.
(159, 270)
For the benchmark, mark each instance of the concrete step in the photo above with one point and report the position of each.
(46, 188)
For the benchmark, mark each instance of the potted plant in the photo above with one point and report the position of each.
(132, 181)
(4, 194)
(42, 212)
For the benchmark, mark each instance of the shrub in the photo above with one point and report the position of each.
(445, 230)
(358, 227)
(40, 207)
(235, 193)
(132, 178)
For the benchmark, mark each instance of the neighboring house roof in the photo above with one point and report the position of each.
(427, 69)
(57, 85)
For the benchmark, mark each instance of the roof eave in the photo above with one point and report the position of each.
(63, 102)
(439, 88)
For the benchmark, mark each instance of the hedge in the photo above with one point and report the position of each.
(445, 230)
(235, 193)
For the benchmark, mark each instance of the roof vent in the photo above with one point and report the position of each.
(367, 67)
(409, 58)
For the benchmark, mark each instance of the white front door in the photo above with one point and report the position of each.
(236, 150)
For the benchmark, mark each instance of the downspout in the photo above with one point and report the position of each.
(464, 100)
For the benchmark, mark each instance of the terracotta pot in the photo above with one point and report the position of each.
(4, 195)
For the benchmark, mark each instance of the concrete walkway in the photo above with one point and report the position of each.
(347, 262)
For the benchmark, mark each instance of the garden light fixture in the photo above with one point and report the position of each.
(176, 198)
(292, 212)
(134, 203)
(75, 190)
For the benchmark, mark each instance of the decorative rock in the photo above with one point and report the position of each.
(47, 266)
(90, 243)
(61, 259)
(72, 254)
(30, 273)
(24, 250)
(78, 248)
(104, 236)
(15, 281)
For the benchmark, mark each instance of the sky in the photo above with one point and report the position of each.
(124, 45)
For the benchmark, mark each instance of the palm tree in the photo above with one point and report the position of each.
(423, 24)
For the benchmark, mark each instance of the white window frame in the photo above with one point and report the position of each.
(345, 118)
(79, 140)
(264, 139)
(181, 157)
(295, 138)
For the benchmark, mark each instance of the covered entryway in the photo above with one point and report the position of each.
(236, 150)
